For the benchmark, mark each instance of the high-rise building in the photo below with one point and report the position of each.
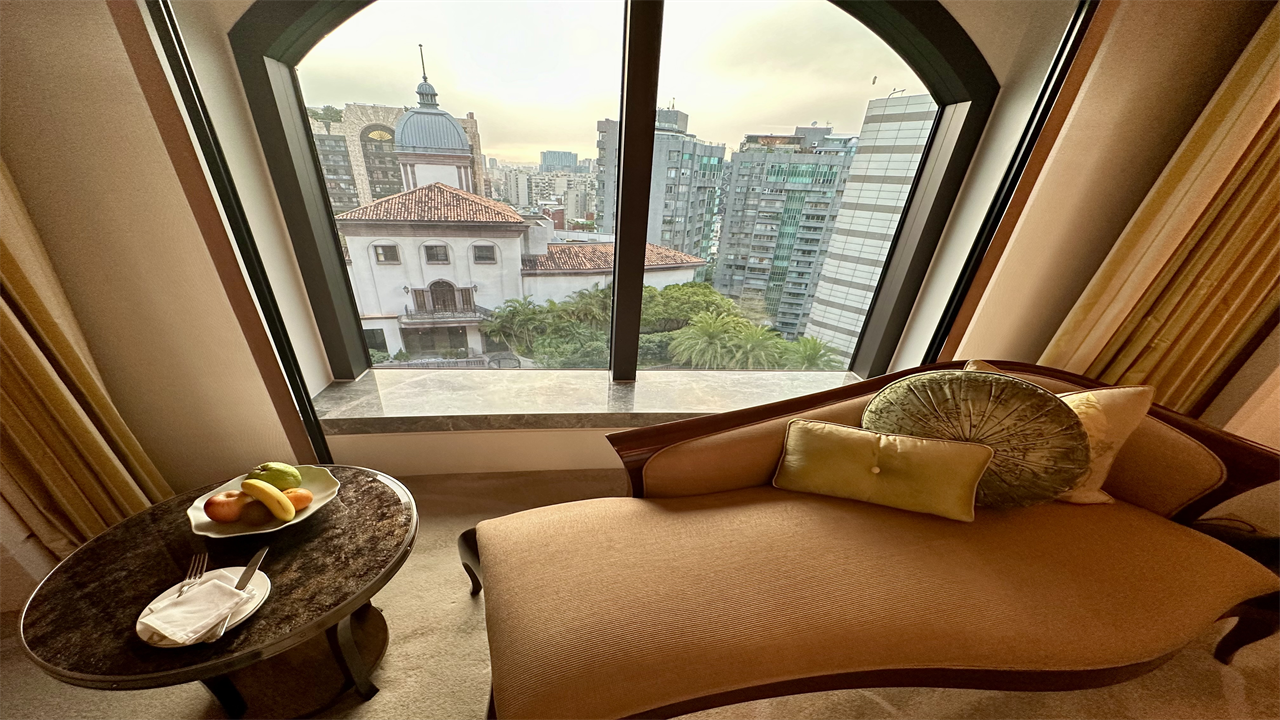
(683, 187)
(607, 175)
(356, 151)
(894, 134)
(559, 161)
(684, 184)
(780, 209)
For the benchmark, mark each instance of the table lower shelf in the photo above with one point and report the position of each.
(305, 679)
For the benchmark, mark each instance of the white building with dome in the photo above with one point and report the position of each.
(432, 147)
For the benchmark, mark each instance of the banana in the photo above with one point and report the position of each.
(275, 500)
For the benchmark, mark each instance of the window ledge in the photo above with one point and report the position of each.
(442, 400)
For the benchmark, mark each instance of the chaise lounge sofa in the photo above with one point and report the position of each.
(710, 586)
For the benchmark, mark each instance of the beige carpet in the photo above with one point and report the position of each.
(437, 664)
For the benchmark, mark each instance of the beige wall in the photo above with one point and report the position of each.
(439, 453)
(1018, 38)
(80, 142)
(1156, 69)
(204, 25)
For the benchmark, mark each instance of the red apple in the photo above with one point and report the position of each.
(225, 507)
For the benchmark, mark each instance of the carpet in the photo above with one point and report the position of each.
(437, 664)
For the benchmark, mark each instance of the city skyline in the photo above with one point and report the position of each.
(817, 66)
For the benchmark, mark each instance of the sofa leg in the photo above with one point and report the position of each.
(469, 552)
(1258, 618)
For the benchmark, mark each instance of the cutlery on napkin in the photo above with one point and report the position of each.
(183, 619)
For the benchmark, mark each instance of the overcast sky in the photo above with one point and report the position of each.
(539, 73)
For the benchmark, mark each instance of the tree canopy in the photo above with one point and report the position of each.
(688, 325)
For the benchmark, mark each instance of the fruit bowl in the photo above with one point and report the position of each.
(322, 484)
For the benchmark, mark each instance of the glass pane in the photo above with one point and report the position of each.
(780, 169)
(462, 254)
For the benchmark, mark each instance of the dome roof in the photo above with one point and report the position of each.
(429, 129)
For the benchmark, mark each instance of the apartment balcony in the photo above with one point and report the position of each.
(417, 317)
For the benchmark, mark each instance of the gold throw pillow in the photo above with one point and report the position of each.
(1110, 415)
(939, 477)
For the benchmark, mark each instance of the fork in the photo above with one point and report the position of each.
(195, 571)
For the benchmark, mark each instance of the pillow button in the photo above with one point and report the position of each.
(875, 469)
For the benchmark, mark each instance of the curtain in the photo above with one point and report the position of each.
(1196, 273)
(69, 467)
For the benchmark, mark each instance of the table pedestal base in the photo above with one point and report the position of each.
(310, 677)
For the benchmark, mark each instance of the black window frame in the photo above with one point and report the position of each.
(272, 37)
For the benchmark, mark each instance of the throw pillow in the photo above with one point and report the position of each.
(938, 477)
(1040, 445)
(1110, 415)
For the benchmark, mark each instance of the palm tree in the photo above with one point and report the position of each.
(708, 340)
(516, 323)
(592, 306)
(809, 353)
(757, 348)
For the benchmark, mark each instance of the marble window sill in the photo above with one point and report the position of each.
(436, 400)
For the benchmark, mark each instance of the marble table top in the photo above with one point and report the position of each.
(79, 624)
(395, 400)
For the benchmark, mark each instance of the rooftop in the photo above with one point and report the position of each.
(579, 257)
(436, 202)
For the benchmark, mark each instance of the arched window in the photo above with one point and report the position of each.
(377, 144)
(892, 202)
(444, 296)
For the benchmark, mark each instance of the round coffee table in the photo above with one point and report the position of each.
(315, 637)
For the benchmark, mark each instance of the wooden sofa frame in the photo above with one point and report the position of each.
(1249, 465)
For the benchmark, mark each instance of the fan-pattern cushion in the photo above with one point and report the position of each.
(1041, 447)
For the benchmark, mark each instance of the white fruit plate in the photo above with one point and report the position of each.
(322, 484)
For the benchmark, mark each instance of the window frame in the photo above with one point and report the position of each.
(378, 254)
(475, 254)
(271, 38)
(427, 247)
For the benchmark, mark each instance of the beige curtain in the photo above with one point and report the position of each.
(69, 466)
(1196, 273)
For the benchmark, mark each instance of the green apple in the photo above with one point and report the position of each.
(282, 475)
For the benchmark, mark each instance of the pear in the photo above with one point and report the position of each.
(281, 475)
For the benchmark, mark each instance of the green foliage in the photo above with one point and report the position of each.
(808, 353)
(401, 355)
(672, 307)
(757, 348)
(708, 341)
(377, 356)
(689, 324)
(592, 306)
(588, 349)
(517, 323)
(655, 349)
(328, 113)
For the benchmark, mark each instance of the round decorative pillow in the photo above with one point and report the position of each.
(1041, 447)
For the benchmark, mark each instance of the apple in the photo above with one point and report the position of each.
(255, 513)
(226, 507)
(300, 497)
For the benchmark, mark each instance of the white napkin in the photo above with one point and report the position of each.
(183, 619)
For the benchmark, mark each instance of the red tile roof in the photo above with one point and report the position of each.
(436, 202)
(598, 257)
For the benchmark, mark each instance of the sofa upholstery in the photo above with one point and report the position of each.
(710, 586)
(613, 606)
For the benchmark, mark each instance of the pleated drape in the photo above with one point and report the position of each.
(1196, 274)
(69, 466)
